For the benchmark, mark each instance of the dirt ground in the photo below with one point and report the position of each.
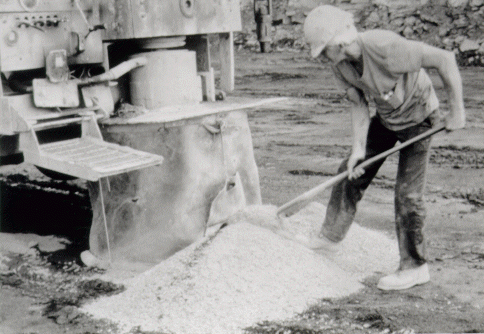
(299, 143)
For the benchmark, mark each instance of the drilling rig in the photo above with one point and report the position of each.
(63, 66)
(122, 93)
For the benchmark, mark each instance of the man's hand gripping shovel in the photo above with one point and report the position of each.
(292, 207)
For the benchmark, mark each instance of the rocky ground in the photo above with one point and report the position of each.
(453, 25)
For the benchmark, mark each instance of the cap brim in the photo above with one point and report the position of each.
(316, 51)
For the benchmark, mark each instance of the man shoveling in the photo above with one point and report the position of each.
(390, 69)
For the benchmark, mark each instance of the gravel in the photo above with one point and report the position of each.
(243, 274)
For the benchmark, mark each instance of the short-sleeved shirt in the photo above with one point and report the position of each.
(393, 76)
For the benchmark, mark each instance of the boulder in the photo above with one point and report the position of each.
(408, 32)
(469, 45)
(398, 22)
(410, 21)
(457, 3)
(299, 18)
(481, 49)
(476, 3)
(444, 31)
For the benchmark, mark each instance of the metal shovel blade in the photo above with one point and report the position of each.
(228, 201)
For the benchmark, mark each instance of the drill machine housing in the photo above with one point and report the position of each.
(63, 65)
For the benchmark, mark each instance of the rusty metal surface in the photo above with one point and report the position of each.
(157, 18)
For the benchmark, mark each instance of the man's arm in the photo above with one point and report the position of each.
(360, 121)
(445, 64)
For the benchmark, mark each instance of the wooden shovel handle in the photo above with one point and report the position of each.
(301, 201)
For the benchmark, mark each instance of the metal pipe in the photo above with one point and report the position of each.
(116, 72)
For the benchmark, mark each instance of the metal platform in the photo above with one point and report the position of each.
(178, 113)
(90, 158)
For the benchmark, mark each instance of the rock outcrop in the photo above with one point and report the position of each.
(455, 25)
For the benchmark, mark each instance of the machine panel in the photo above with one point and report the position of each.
(156, 18)
(26, 38)
(16, 6)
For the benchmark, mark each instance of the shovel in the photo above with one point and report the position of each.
(231, 198)
(298, 203)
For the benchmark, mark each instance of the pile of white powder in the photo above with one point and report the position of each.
(244, 274)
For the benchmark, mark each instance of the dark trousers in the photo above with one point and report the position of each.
(410, 183)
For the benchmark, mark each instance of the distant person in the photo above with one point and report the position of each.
(390, 69)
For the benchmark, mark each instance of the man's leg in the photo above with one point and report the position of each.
(346, 195)
(410, 212)
(410, 208)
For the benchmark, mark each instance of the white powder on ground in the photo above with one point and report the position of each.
(245, 274)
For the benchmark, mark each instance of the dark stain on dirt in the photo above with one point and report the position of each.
(44, 207)
(59, 284)
(458, 157)
(308, 172)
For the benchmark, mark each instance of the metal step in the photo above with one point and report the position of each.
(90, 158)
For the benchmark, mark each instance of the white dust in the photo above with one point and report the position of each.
(245, 274)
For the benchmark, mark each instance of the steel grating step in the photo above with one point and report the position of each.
(91, 158)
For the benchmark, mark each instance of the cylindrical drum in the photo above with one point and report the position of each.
(170, 77)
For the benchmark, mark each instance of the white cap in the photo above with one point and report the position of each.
(324, 23)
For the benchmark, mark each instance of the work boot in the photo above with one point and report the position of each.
(405, 279)
(318, 242)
